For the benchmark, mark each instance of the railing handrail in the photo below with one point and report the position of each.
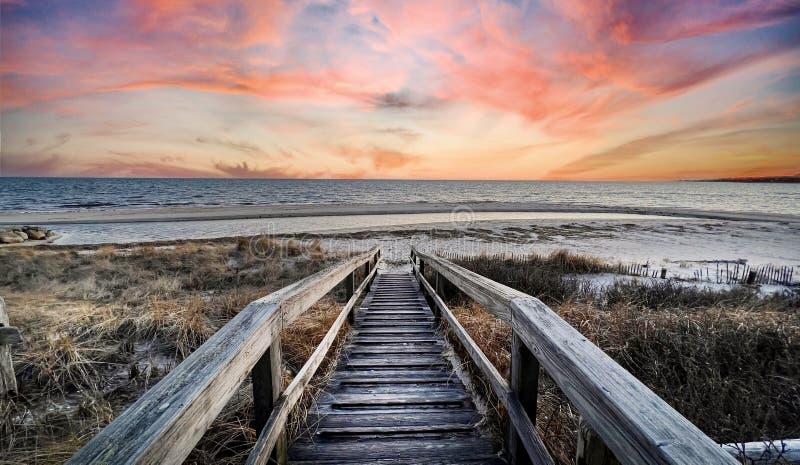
(635, 423)
(517, 416)
(163, 426)
(276, 423)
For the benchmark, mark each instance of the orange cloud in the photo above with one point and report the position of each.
(24, 164)
(244, 170)
(380, 158)
(705, 131)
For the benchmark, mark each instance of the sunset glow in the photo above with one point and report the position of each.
(445, 89)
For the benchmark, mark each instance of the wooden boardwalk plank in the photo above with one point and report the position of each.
(394, 397)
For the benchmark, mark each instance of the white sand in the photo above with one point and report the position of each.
(136, 215)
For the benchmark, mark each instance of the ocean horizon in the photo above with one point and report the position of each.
(67, 194)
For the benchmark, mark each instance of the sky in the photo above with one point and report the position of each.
(433, 89)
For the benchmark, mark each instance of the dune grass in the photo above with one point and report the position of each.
(727, 360)
(103, 324)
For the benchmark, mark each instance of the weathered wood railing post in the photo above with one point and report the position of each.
(524, 383)
(591, 449)
(367, 269)
(8, 335)
(267, 376)
(439, 286)
(349, 289)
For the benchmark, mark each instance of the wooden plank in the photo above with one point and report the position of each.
(401, 324)
(417, 372)
(395, 340)
(270, 436)
(636, 424)
(490, 460)
(395, 361)
(361, 430)
(396, 318)
(386, 350)
(428, 398)
(396, 331)
(165, 423)
(452, 384)
(408, 450)
(416, 417)
(406, 380)
(408, 314)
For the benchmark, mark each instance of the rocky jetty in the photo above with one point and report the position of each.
(19, 234)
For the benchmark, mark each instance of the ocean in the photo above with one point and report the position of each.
(64, 194)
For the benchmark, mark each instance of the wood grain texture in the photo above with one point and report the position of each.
(394, 398)
(163, 426)
(636, 424)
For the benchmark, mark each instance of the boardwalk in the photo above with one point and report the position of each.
(394, 397)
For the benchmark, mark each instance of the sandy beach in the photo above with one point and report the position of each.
(201, 213)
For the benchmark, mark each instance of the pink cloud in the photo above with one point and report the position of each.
(628, 21)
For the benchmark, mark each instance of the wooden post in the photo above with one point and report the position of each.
(591, 448)
(8, 335)
(663, 273)
(267, 376)
(524, 383)
(430, 296)
(349, 289)
(367, 270)
(421, 267)
(751, 277)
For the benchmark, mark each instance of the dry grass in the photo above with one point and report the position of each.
(726, 360)
(102, 324)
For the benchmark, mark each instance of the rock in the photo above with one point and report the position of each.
(36, 234)
(10, 238)
(22, 235)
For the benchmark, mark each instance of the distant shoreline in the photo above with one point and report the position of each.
(208, 213)
(765, 180)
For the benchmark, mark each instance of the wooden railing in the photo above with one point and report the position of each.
(163, 426)
(633, 422)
